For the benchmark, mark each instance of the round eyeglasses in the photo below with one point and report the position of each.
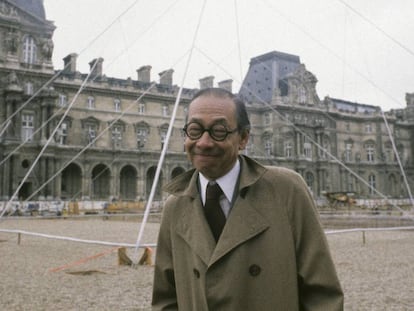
(218, 132)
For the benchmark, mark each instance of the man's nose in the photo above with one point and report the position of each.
(205, 139)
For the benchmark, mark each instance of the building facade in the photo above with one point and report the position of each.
(70, 135)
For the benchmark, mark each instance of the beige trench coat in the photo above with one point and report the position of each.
(272, 254)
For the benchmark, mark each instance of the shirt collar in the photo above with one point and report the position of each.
(227, 182)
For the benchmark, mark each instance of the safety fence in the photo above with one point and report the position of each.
(129, 245)
(57, 237)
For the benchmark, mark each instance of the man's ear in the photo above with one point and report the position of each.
(244, 135)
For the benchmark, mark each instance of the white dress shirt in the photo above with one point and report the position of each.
(227, 183)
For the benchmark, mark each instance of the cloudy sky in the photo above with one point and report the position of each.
(361, 51)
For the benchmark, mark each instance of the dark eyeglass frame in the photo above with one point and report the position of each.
(210, 131)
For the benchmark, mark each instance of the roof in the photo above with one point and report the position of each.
(353, 107)
(265, 73)
(33, 7)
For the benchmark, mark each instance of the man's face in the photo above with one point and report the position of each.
(214, 158)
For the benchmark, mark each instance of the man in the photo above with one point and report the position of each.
(272, 253)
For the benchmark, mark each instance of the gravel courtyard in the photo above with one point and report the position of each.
(48, 274)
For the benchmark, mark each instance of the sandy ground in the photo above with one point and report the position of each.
(377, 275)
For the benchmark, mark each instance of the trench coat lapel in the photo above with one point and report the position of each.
(243, 224)
(194, 229)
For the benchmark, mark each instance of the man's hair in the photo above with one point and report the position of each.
(243, 122)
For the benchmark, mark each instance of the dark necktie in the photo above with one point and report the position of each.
(214, 213)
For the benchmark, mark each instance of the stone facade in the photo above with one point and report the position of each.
(104, 137)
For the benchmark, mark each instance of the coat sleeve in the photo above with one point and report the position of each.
(164, 295)
(319, 287)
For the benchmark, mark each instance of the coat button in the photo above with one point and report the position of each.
(196, 273)
(254, 270)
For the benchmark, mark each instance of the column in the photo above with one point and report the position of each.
(43, 137)
(51, 173)
(57, 181)
(42, 171)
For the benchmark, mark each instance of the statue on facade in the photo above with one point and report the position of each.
(12, 78)
(11, 42)
(47, 48)
(8, 10)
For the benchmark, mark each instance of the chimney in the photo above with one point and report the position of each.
(226, 84)
(97, 71)
(206, 82)
(166, 77)
(69, 63)
(144, 74)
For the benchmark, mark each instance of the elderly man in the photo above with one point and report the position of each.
(255, 242)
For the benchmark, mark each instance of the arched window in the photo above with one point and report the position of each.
(29, 50)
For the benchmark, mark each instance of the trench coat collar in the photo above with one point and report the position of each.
(244, 221)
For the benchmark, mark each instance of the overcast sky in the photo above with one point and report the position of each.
(361, 51)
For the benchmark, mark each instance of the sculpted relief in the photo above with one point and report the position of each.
(8, 10)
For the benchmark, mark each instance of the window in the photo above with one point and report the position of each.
(301, 95)
(348, 152)
(370, 152)
(307, 148)
(116, 135)
(141, 108)
(267, 119)
(117, 104)
(309, 180)
(319, 121)
(91, 133)
(29, 50)
(372, 183)
(268, 147)
(28, 88)
(368, 128)
(388, 153)
(305, 119)
(63, 100)
(163, 137)
(90, 102)
(27, 127)
(165, 111)
(288, 149)
(62, 133)
(142, 134)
